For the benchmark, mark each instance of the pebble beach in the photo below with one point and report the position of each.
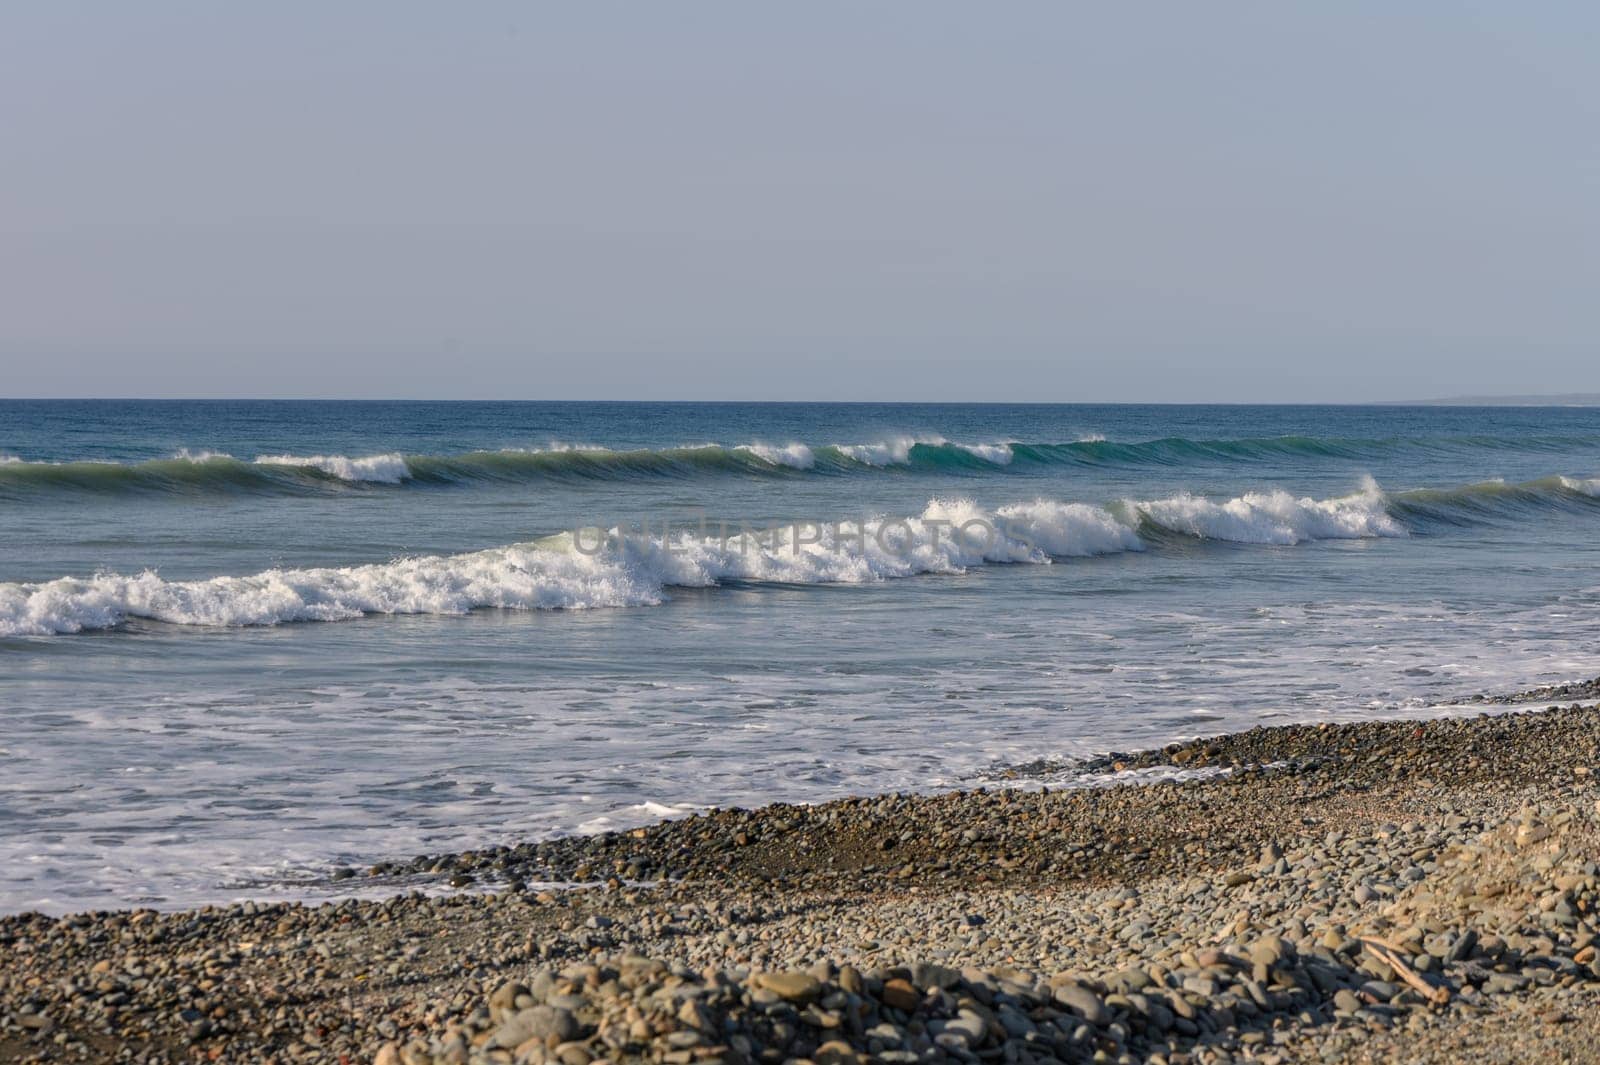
(767, 535)
(1394, 891)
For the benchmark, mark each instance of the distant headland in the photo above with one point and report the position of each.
(1563, 399)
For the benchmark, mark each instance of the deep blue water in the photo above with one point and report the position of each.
(243, 641)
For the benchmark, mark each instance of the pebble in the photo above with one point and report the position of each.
(1454, 842)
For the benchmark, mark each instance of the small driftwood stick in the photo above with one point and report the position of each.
(1394, 957)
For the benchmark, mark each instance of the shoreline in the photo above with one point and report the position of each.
(968, 925)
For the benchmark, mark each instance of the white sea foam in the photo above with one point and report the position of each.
(644, 813)
(1589, 486)
(948, 537)
(382, 469)
(999, 454)
(618, 567)
(519, 577)
(1067, 530)
(196, 456)
(795, 456)
(895, 451)
(559, 445)
(1274, 517)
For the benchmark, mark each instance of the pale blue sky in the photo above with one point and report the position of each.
(930, 201)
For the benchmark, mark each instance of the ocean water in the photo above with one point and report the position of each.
(242, 643)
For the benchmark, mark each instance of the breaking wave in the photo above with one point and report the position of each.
(202, 471)
(619, 567)
(795, 456)
(379, 469)
(622, 567)
(1274, 517)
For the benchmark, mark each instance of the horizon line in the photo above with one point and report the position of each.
(1569, 399)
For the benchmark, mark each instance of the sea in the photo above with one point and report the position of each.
(244, 644)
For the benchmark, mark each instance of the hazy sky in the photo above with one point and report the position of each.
(1219, 201)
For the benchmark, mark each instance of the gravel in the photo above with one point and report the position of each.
(1371, 892)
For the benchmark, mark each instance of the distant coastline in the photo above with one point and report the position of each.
(1561, 399)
